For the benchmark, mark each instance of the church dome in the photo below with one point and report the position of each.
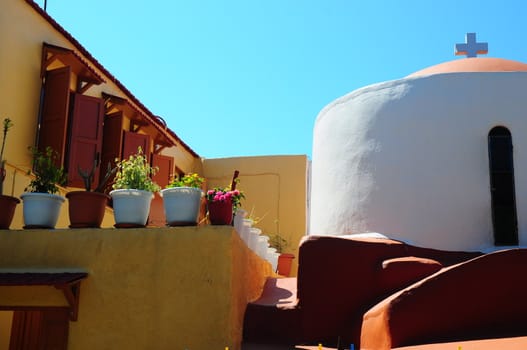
(474, 64)
(409, 158)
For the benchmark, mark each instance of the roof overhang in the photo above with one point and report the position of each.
(68, 282)
(140, 119)
(85, 73)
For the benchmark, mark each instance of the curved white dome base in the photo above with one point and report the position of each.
(409, 158)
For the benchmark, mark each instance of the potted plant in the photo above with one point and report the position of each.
(86, 208)
(7, 203)
(181, 200)
(41, 203)
(222, 202)
(133, 191)
(285, 260)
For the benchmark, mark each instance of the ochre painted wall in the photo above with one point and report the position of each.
(169, 288)
(275, 188)
(22, 34)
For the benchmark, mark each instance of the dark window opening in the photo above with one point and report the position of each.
(503, 199)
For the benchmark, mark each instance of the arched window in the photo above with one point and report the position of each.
(503, 198)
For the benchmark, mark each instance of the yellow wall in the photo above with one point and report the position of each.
(275, 188)
(22, 33)
(169, 288)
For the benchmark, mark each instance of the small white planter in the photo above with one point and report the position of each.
(263, 244)
(131, 207)
(181, 205)
(246, 227)
(41, 210)
(252, 240)
(238, 220)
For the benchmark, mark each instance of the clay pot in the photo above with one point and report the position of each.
(86, 209)
(8, 205)
(220, 213)
(285, 260)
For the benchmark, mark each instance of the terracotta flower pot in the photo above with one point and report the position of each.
(8, 205)
(86, 209)
(285, 260)
(220, 213)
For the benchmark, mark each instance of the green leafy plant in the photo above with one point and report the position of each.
(87, 177)
(135, 173)
(48, 176)
(188, 180)
(278, 242)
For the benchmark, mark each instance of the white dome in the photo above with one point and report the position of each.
(409, 158)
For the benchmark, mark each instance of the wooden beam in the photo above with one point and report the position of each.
(82, 89)
(72, 293)
(158, 148)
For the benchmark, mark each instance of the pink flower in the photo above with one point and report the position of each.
(210, 192)
(236, 192)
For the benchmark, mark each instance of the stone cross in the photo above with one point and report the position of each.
(471, 48)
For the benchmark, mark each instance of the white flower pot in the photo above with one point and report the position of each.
(131, 207)
(238, 219)
(272, 257)
(252, 241)
(263, 244)
(41, 210)
(246, 227)
(181, 205)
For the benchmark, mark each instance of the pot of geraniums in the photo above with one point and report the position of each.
(182, 199)
(222, 202)
(7, 203)
(285, 260)
(133, 191)
(41, 204)
(86, 208)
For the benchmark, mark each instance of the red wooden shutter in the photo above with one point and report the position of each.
(165, 167)
(112, 144)
(25, 330)
(55, 106)
(40, 329)
(55, 329)
(85, 138)
(134, 140)
(165, 170)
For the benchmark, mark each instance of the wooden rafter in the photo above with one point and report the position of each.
(67, 57)
(72, 293)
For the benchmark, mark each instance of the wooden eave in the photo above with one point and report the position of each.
(68, 57)
(138, 119)
(68, 282)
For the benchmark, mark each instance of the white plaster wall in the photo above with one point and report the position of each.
(409, 158)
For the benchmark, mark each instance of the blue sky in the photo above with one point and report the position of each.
(248, 78)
